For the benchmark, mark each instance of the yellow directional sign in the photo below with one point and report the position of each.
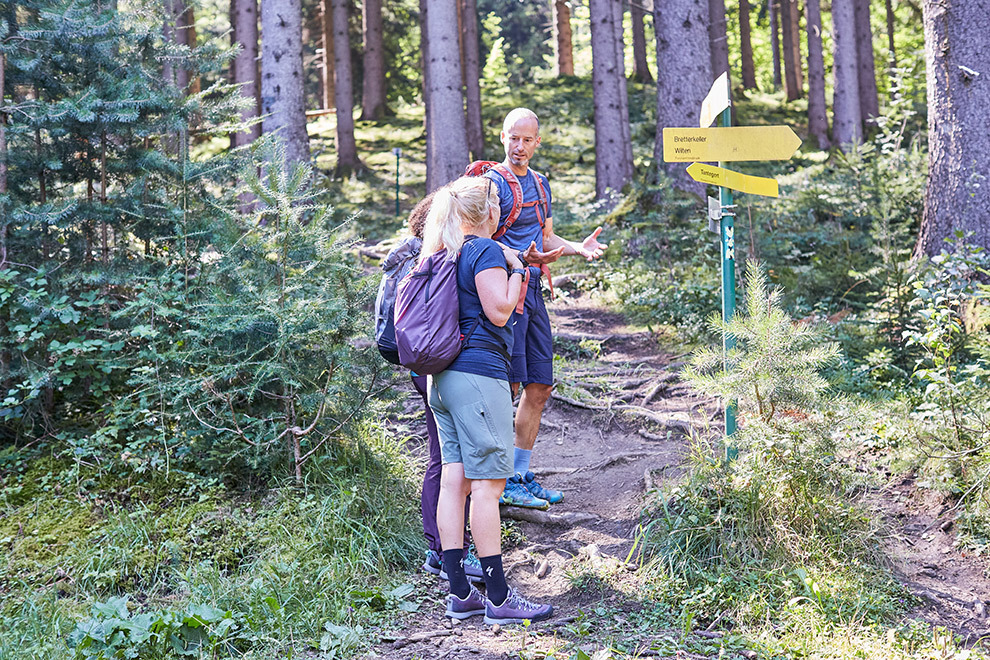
(692, 145)
(719, 176)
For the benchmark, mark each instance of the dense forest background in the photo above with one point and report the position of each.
(195, 447)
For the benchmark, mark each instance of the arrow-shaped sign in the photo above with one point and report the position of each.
(692, 145)
(716, 101)
(719, 176)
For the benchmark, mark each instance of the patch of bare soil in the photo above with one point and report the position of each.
(615, 428)
(953, 584)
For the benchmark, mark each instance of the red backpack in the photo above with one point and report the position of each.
(479, 168)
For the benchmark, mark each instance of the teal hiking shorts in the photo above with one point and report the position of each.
(474, 421)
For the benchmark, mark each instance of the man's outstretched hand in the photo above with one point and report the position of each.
(590, 248)
(536, 258)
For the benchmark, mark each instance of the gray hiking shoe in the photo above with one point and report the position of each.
(472, 605)
(516, 609)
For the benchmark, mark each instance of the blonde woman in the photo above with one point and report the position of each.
(471, 399)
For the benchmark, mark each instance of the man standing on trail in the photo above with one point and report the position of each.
(531, 233)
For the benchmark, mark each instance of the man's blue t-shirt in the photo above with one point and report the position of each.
(526, 228)
(486, 351)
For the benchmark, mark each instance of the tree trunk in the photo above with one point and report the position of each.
(244, 68)
(869, 107)
(718, 39)
(187, 32)
(684, 75)
(424, 53)
(612, 169)
(847, 122)
(746, 47)
(562, 42)
(795, 10)
(891, 53)
(283, 100)
(447, 131)
(817, 113)
(328, 75)
(775, 41)
(958, 76)
(641, 68)
(373, 97)
(792, 66)
(618, 15)
(347, 158)
(471, 60)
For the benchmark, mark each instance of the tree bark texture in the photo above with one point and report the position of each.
(891, 53)
(718, 39)
(618, 12)
(684, 75)
(958, 74)
(329, 82)
(471, 62)
(775, 41)
(447, 132)
(347, 158)
(612, 169)
(868, 103)
(641, 67)
(817, 113)
(424, 53)
(562, 42)
(244, 68)
(792, 65)
(373, 91)
(746, 47)
(283, 100)
(847, 122)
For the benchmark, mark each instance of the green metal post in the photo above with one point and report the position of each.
(398, 152)
(728, 249)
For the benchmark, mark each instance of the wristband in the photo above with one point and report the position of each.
(519, 271)
(521, 258)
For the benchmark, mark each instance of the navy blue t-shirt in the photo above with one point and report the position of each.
(486, 351)
(526, 228)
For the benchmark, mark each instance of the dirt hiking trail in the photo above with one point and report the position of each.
(617, 427)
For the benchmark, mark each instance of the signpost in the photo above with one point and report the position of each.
(724, 144)
(398, 152)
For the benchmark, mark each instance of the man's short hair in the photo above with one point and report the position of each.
(517, 114)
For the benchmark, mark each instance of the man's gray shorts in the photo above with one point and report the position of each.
(474, 420)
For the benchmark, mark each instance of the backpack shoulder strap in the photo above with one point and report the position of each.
(517, 198)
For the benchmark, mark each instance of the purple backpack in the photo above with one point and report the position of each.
(427, 316)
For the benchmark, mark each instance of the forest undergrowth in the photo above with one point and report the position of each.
(180, 498)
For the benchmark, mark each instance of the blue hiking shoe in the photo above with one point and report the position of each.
(472, 566)
(473, 605)
(516, 494)
(549, 494)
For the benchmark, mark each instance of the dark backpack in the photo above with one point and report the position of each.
(427, 316)
(396, 266)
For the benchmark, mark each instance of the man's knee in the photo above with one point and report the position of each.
(538, 393)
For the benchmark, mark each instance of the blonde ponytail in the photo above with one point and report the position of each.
(462, 205)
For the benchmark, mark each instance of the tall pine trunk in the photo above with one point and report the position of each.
(447, 131)
(817, 113)
(775, 41)
(891, 53)
(869, 106)
(327, 71)
(424, 54)
(746, 47)
(847, 122)
(718, 39)
(564, 61)
(471, 60)
(244, 68)
(684, 75)
(958, 74)
(283, 99)
(373, 96)
(347, 158)
(641, 67)
(612, 170)
(792, 64)
(618, 12)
